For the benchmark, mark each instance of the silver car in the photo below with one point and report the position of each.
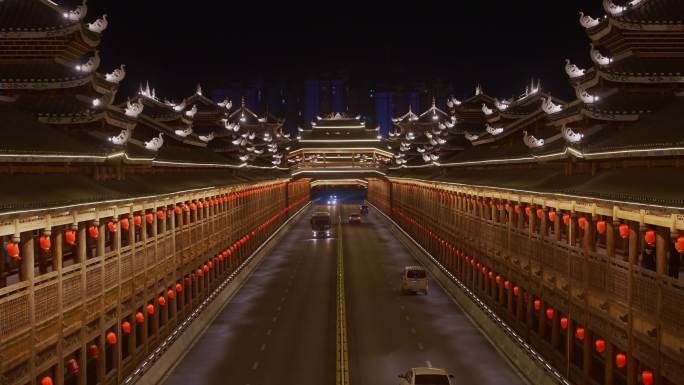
(414, 279)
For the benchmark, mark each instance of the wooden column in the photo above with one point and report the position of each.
(557, 226)
(611, 225)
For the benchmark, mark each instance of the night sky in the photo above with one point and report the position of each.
(501, 44)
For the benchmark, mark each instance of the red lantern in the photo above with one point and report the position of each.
(210, 264)
(552, 216)
(150, 309)
(111, 338)
(47, 380)
(179, 287)
(564, 322)
(140, 317)
(516, 291)
(517, 208)
(582, 222)
(507, 285)
(200, 273)
(566, 219)
(177, 210)
(171, 294)
(647, 377)
(679, 245)
(205, 268)
(579, 333)
(93, 232)
(490, 275)
(193, 206)
(149, 218)
(498, 279)
(70, 237)
(620, 360)
(126, 327)
(161, 300)
(111, 226)
(137, 220)
(160, 214)
(540, 213)
(528, 210)
(537, 304)
(600, 345)
(650, 237)
(624, 231)
(601, 226)
(549, 313)
(72, 366)
(45, 243)
(93, 351)
(123, 222)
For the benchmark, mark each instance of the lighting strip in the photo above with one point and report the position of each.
(486, 309)
(337, 141)
(336, 171)
(319, 127)
(338, 150)
(137, 373)
(338, 181)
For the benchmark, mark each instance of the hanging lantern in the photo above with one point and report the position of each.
(647, 377)
(564, 322)
(579, 333)
(94, 351)
(540, 213)
(160, 214)
(179, 288)
(126, 327)
(537, 305)
(93, 232)
(47, 380)
(205, 268)
(177, 210)
(498, 279)
(210, 264)
(679, 245)
(517, 208)
(161, 300)
(70, 237)
(123, 222)
(582, 222)
(150, 309)
(140, 317)
(516, 291)
(171, 294)
(566, 219)
(193, 206)
(552, 216)
(650, 237)
(549, 313)
(137, 220)
(507, 285)
(624, 231)
(111, 226)
(111, 338)
(620, 360)
(149, 218)
(72, 366)
(600, 345)
(528, 210)
(200, 273)
(601, 226)
(45, 243)
(490, 274)
(169, 213)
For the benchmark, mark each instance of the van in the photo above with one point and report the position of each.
(414, 279)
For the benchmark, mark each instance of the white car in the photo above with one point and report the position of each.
(414, 279)
(425, 376)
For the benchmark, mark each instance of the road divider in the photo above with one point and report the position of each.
(341, 354)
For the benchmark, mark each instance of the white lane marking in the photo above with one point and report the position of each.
(275, 318)
(429, 364)
(413, 331)
(256, 365)
(420, 346)
(282, 299)
(402, 307)
(407, 318)
(269, 331)
(279, 308)
(263, 347)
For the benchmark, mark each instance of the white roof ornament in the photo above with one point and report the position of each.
(572, 70)
(571, 136)
(478, 89)
(486, 110)
(434, 157)
(133, 109)
(191, 112)
(598, 58)
(470, 137)
(122, 138)
(494, 130)
(587, 21)
(155, 144)
(99, 25)
(531, 141)
(441, 126)
(117, 75)
(179, 107)
(337, 116)
(207, 138)
(198, 91)
(244, 157)
(449, 124)
(611, 8)
(550, 107)
(585, 96)
(184, 133)
(227, 104)
(78, 13)
(261, 120)
(426, 157)
(501, 106)
(428, 134)
(91, 65)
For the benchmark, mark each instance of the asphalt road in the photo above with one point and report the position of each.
(280, 327)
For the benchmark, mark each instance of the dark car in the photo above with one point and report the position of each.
(355, 218)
